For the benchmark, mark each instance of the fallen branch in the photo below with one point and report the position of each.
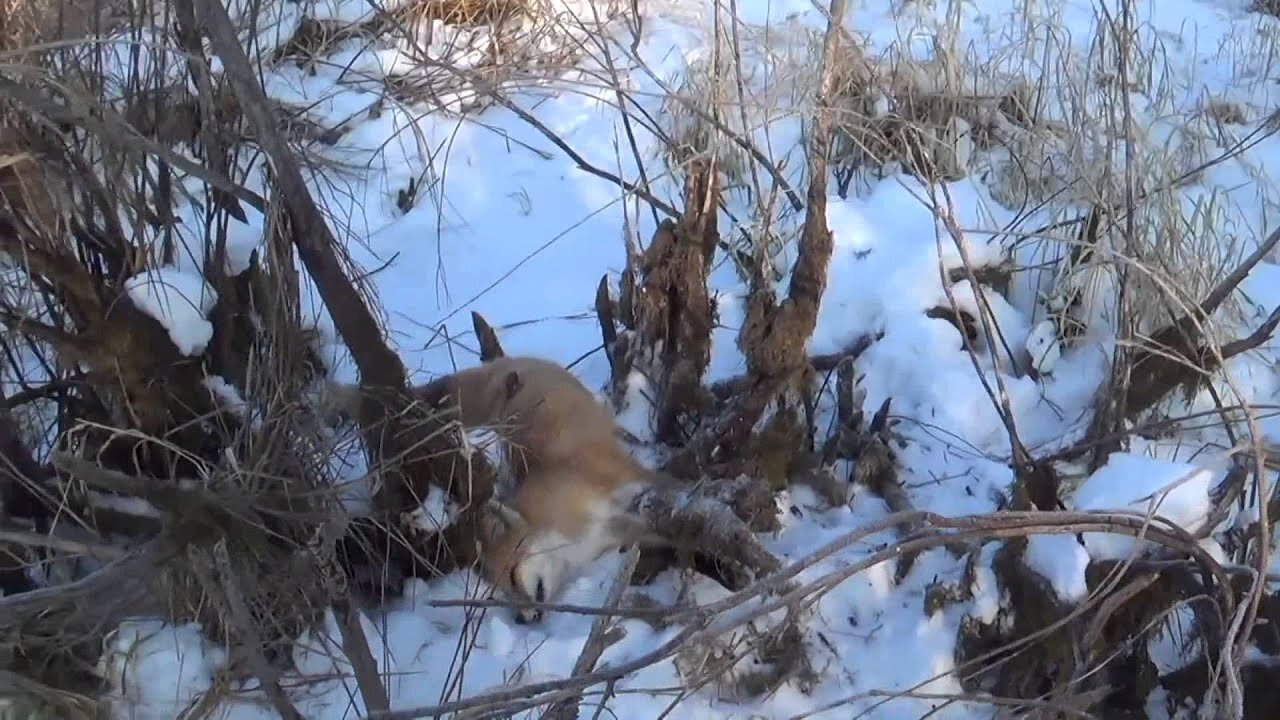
(180, 503)
(706, 520)
(709, 621)
(355, 645)
(26, 538)
(90, 606)
(598, 640)
(875, 468)
(726, 389)
(240, 616)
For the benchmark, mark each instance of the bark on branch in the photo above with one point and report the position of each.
(774, 335)
(712, 519)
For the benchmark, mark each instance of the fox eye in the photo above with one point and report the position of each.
(540, 593)
(512, 577)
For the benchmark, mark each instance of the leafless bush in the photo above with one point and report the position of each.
(203, 487)
(1130, 256)
(197, 468)
(190, 465)
(1139, 268)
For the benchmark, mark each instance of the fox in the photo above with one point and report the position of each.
(573, 474)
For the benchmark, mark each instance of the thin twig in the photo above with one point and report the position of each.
(704, 623)
(598, 640)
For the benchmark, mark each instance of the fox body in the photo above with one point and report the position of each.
(573, 474)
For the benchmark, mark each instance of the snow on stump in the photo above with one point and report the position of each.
(180, 301)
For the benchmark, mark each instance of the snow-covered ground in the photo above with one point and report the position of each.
(507, 224)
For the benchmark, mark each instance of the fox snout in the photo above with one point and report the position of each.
(528, 616)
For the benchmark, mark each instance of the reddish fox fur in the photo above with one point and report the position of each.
(573, 473)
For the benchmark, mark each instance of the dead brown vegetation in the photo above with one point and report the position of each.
(244, 533)
(226, 505)
(232, 502)
(925, 117)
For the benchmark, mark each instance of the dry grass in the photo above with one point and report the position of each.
(1046, 141)
(128, 418)
(1268, 7)
(1131, 242)
(891, 114)
(27, 23)
(261, 553)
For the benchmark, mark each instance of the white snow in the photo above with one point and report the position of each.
(1060, 560)
(1044, 347)
(507, 224)
(225, 394)
(1175, 644)
(159, 667)
(436, 512)
(180, 300)
(1175, 491)
(637, 406)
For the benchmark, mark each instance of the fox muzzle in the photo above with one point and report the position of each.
(528, 616)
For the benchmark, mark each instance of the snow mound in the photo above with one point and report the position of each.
(180, 300)
(1062, 561)
(1176, 491)
(154, 668)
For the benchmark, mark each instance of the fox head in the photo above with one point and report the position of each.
(535, 565)
(519, 561)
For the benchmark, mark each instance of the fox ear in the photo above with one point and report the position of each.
(512, 384)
